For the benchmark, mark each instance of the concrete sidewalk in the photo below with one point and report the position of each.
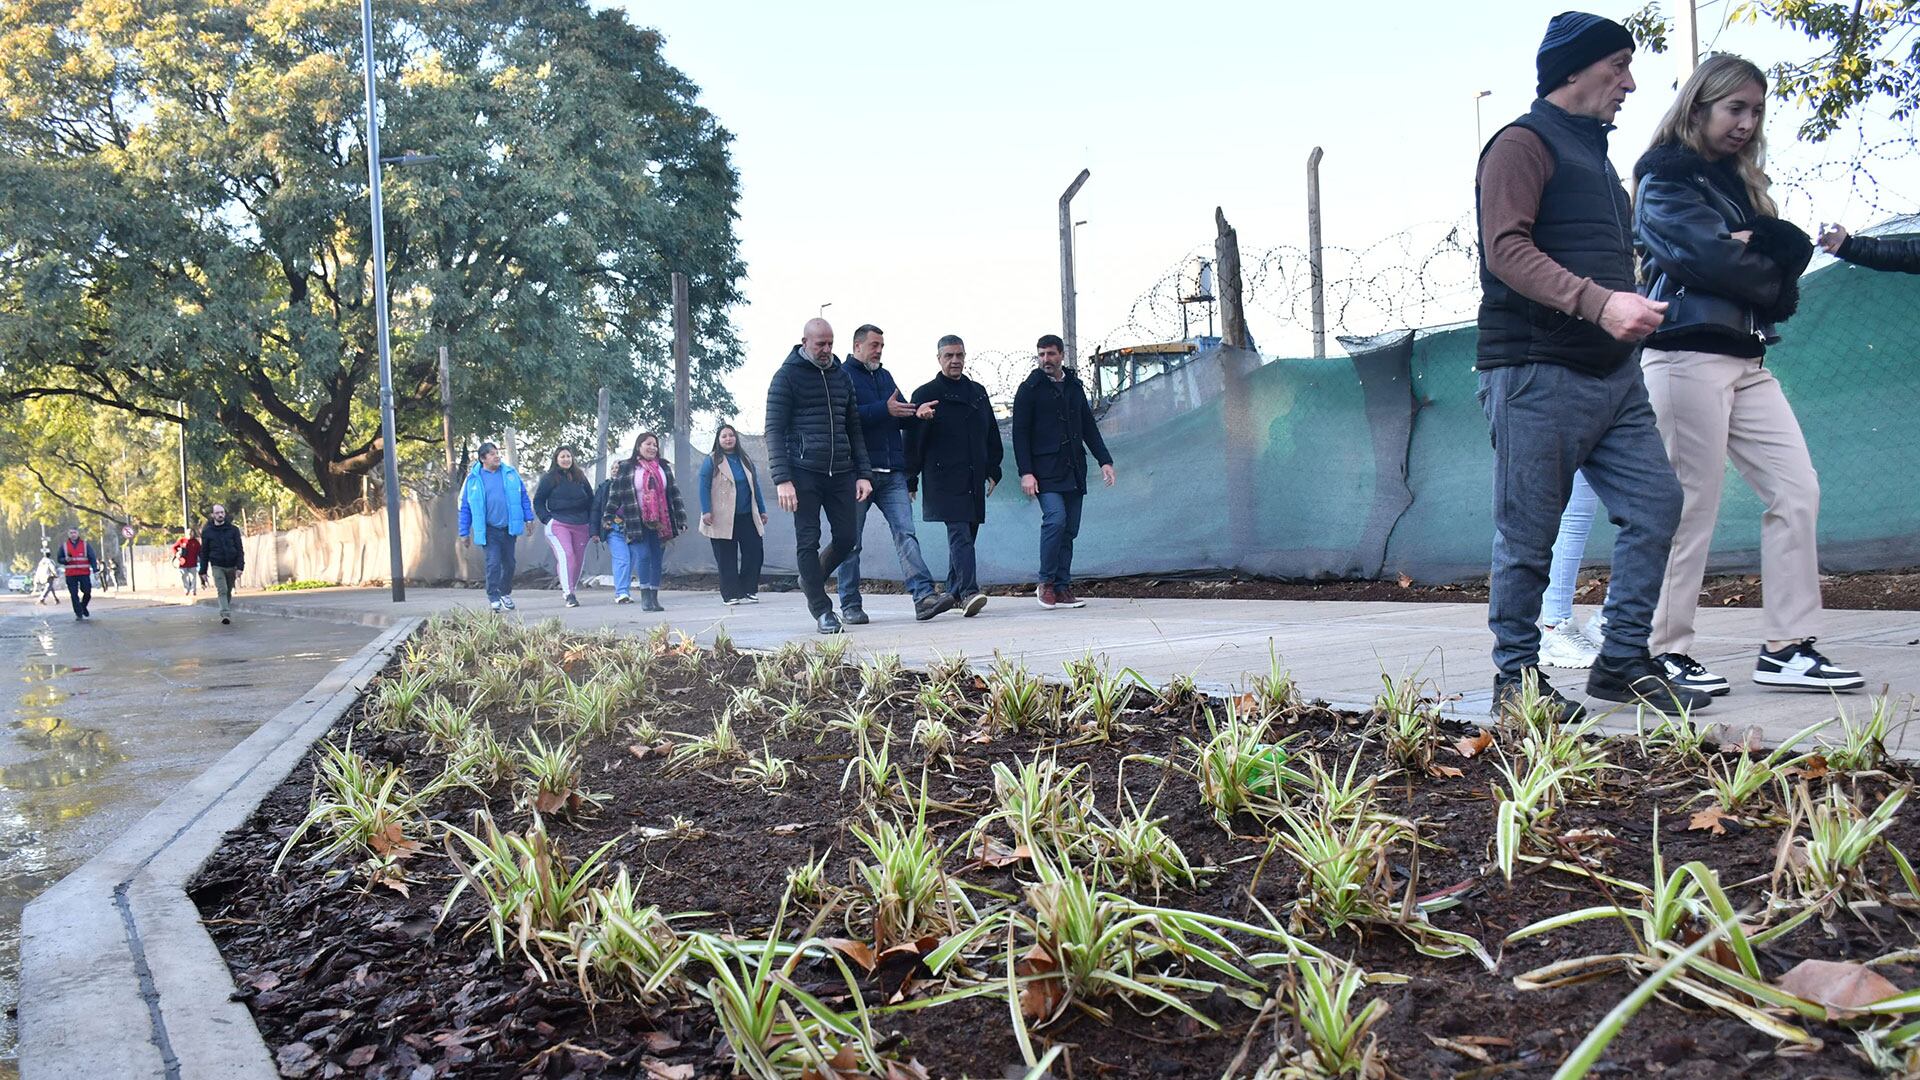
(1336, 650)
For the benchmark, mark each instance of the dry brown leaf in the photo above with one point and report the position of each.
(397, 884)
(857, 951)
(1444, 771)
(1462, 1048)
(1040, 998)
(1247, 703)
(1471, 745)
(660, 1042)
(844, 1065)
(1837, 984)
(660, 1070)
(547, 802)
(1710, 818)
(1813, 768)
(909, 1070)
(790, 828)
(995, 854)
(1406, 582)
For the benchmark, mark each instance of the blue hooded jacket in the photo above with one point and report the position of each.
(473, 496)
(886, 446)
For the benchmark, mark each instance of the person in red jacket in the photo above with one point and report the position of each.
(79, 561)
(186, 553)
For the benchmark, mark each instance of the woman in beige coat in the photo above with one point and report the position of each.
(733, 515)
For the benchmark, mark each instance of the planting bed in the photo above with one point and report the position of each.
(350, 967)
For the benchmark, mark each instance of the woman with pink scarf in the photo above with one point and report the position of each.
(643, 513)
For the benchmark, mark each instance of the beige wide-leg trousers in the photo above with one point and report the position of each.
(1711, 408)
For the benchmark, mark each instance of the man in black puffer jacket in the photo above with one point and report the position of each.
(224, 554)
(817, 457)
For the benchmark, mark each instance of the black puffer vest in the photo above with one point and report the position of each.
(1583, 225)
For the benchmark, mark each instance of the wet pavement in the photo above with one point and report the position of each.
(100, 721)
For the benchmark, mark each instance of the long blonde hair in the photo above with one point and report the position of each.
(1685, 124)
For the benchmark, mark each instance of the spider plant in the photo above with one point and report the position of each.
(1579, 757)
(808, 881)
(544, 693)
(748, 703)
(717, 745)
(551, 778)
(769, 674)
(949, 671)
(1826, 864)
(1340, 794)
(1239, 771)
(589, 707)
(524, 882)
(1136, 850)
(1100, 697)
(1179, 692)
(496, 682)
(1338, 1040)
(908, 892)
(447, 724)
(396, 704)
(933, 735)
(1405, 721)
(793, 717)
(362, 808)
(1734, 786)
(1274, 693)
(1042, 803)
(856, 719)
(1526, 712)
(879, 675)
(820, 672)
(1863, 744)
(1675, 738)
(871, 769)
(764, 771)
(1525, 804)
(1018, 700)
(622, 948)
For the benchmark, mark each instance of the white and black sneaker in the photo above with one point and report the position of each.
(1684, 670)
(1800, 666)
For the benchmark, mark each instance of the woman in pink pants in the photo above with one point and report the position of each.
(564, 504)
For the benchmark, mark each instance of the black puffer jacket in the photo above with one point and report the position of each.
(1683, 220)
(562, 498)
(1900, 253)
(951, 458)
(813, 421)
(222, 545)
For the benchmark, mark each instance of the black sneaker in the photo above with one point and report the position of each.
(1684, 670)
(1509, 692)
(973, 605)
(932, 604)
(828, 624)
(571, 602)
(1800, 666)
(854, 617)
(1641, 680)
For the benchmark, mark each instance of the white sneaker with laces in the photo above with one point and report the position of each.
(1684, 670)
(1594, 632)
(1800, 666)
(1562, 647)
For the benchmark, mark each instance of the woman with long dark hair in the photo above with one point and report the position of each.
(564, 504)
(643, 513)
(733, 516)
(1713, 247)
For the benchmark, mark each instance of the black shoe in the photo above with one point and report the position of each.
(932, 604)
(829, 625)
(225, 621)
(650, 600)
(854, 617)
(1641, 680)
(1684, 670)
(1800, 666)
(571, 602)
(973, 604)
(1509, 693)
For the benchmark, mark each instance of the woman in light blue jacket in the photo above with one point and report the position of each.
(494, 511)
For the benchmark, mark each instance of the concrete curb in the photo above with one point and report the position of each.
(117, 976)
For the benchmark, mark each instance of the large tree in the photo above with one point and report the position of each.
(183, 217)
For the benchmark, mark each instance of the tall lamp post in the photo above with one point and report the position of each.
(1478, 143)
(389, 444)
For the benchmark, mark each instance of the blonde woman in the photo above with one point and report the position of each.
(1713, 248)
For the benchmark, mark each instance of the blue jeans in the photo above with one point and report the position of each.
(1569, 550)
(1059, 524)
(637, 557)
(1547, 422)
(500, 563)
(890, 495)
(962, 579)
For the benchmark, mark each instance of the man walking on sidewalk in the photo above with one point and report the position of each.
(1559, 322)
(223, 555)
(1053, 428)
(954, 458)
(494, 511)
(79, 561)
(817, 456)
(186, 554)
(884, 417)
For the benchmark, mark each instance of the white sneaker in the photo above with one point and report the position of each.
(507, 602)
(1562, 647)
(494, 605)
(1595, 630)
(1800, 666)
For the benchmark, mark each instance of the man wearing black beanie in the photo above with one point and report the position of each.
(1558, 327)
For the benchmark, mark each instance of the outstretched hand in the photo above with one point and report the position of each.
(899, 409)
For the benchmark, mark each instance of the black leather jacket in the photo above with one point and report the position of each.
(1900, 253)
(1683, 226)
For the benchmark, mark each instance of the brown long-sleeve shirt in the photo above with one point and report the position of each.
(1513, 174)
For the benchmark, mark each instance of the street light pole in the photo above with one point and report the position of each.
(389, 445)
(1478, 142)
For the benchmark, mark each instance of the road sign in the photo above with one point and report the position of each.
(126, 532)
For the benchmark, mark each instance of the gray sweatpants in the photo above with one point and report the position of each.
(1547, 422)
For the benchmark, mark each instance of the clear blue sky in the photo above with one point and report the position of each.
(903, 161)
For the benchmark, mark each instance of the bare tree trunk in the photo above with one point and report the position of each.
(1226, 262)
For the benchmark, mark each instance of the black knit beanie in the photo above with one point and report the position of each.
(1574, 40)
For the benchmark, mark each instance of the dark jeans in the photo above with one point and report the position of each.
(962, 578)
(817, 492)
(1547, 422)
(80, 591)
(739, 559)
(500, 563)
(1059, 524)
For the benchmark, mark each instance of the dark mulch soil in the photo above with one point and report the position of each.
(346, 979)
(1886, 590)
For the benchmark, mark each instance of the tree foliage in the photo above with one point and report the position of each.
(183, 217)
(1865, 49)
